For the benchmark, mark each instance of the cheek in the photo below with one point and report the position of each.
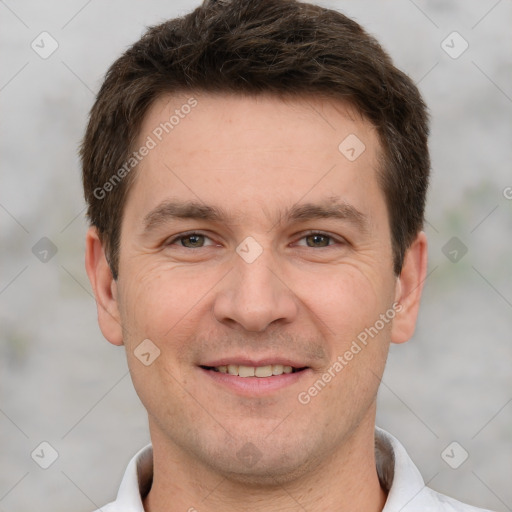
(159, 302)
(157, 306)
(347, 307)
(345, 299)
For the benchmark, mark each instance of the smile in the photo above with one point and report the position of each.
(268, 370)
(255, 378)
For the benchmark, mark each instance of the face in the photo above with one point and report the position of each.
(256, 258)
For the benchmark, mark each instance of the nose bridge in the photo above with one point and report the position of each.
(256, 280)
(254, 295)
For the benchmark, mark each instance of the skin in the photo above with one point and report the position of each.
(304, 297)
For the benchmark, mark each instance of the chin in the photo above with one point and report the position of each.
(265, 464)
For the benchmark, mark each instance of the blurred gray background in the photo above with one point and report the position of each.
(63, 384)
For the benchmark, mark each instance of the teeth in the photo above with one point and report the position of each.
(277, 369)
(263, 371)
(251, 371)
(246, 371)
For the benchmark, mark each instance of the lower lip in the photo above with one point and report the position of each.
(255, 386)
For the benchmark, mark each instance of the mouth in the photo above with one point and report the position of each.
(250, 378)
(265, 371)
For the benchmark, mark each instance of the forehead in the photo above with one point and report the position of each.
(284, 119)
(230, 150)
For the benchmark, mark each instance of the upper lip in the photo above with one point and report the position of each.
(245, 361)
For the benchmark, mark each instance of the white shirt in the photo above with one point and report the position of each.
(398, 474)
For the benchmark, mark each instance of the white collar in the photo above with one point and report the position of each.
(398, 475)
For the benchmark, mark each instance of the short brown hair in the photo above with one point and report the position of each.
(279, 47)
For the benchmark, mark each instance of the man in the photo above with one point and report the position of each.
(255, 174)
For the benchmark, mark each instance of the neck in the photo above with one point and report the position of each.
(344, 482)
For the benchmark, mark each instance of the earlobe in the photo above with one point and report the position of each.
(104, 288)
(408, 290)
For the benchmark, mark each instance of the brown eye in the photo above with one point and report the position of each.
(192, 241)
(318, 240)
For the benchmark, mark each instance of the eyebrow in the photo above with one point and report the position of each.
(170, 210)
(334, 208)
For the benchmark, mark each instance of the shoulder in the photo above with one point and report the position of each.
(440, 502)
(407, 491)
(135, 484)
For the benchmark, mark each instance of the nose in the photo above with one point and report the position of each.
(253, 296)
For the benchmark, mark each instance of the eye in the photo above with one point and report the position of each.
(317, 239)
(191, 240)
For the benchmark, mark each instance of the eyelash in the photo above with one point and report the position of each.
(182, 236)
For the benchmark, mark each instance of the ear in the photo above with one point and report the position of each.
(104, 288)
(408, 290)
